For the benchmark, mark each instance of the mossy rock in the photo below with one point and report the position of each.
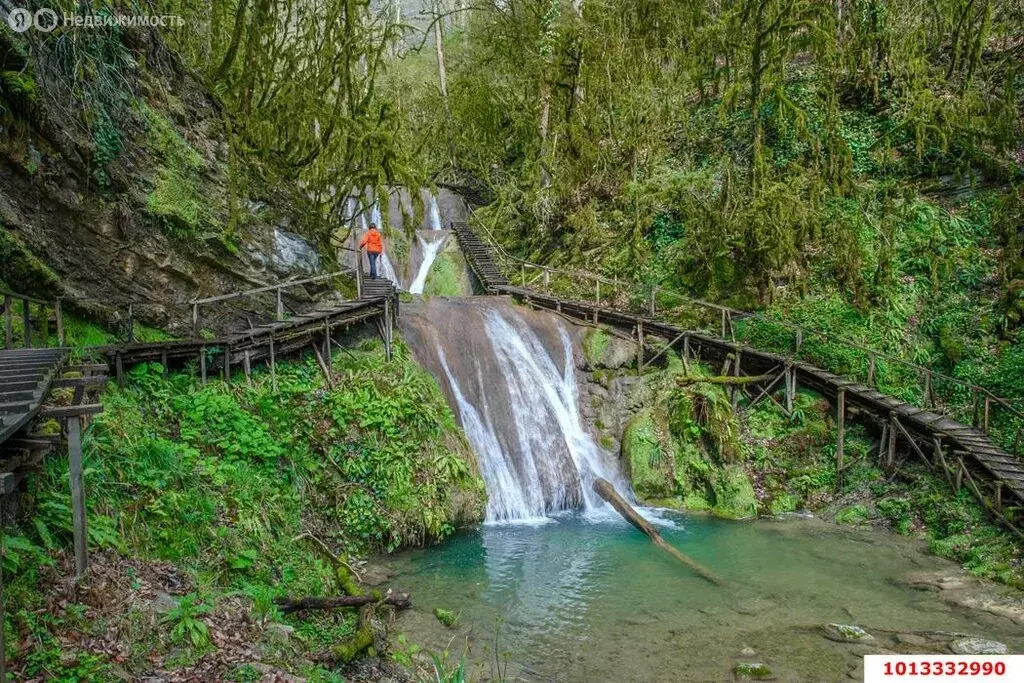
(785, 502)
(644, 455)
(753, 671)
(602, 350)
(449, 274)
(734, 494)
(853, 515)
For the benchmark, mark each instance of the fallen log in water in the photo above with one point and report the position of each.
(288, 605)
(604, 489)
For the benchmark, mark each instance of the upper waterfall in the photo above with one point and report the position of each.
(510, 375)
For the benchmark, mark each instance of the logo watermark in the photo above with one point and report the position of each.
(45, 19)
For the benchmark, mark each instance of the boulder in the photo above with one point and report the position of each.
(977, 646)
(845, 633)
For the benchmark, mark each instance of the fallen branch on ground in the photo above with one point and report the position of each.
(288, 605)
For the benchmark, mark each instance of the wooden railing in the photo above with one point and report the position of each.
(13, 300)
(919, 385)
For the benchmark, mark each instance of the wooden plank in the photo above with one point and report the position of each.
(78, 496)
(68, 382)
(70, 411)
(8, 327)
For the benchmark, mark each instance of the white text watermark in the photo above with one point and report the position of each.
(21, 19)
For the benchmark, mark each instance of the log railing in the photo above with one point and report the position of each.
(194, 306)
(19, 307)
(921, 386)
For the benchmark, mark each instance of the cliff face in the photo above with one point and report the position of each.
(108, 204)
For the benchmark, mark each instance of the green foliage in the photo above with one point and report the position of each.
(595, 343)
(178, 198)
(186, 623)
(853, 515)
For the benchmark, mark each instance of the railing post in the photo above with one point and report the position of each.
(977, 407)
(195, 320)
(640, 347)
(77, 496)
(926, 401)
(59, 313)
(131, 323)
(871, 370)
(44, 325)
(598, 297)
(988, 405)
(359, 278)
(280, 305)
(723, 324)
(840, 432)
(799, 340)
(652, 301)
(547, 278)
(8, 329)
(26, 319)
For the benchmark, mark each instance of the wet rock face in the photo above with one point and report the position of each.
(293, 253)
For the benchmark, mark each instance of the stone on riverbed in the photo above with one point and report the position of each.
(977, 646)
(753, 671)
(845, 633)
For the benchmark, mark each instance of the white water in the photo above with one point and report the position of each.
(429, 248)
(522, 449)
(433, 215)
(375, 214)
(387, 270)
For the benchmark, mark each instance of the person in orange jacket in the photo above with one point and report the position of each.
(374, 244)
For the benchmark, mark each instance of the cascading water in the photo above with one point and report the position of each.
(433, 215)
(387, 269)
(510, 376)
(430, 246)
(375, 214)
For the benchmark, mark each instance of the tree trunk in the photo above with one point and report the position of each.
(288, 605)
(604, 489)
(442, 77)
(724, 379)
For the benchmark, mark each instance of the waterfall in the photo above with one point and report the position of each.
(429, 248)
(387, 270)
(510, 375)
(375, 214)
(433, 215)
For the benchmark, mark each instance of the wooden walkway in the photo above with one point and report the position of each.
(25, 379)
(965, 454)
(263, 342)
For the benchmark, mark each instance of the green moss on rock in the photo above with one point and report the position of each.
(853, 515)
(646, 458)
(449, 275)
(595, 342)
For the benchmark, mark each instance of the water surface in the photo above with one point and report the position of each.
(588, 598)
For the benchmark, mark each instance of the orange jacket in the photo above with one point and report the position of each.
(372, 241)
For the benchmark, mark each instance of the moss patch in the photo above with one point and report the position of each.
(177, 199)
(595, 343)
(448, 275)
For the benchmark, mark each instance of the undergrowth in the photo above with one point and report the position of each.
(227, 482)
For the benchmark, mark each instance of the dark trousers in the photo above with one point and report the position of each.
(373, 264)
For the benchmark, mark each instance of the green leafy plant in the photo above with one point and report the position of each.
(185, 620)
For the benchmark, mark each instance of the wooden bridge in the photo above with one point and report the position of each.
(966, 454)
(30, 375)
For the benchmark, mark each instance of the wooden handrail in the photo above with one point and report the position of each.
(269, 288)
(738, 314)
(25, 297)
